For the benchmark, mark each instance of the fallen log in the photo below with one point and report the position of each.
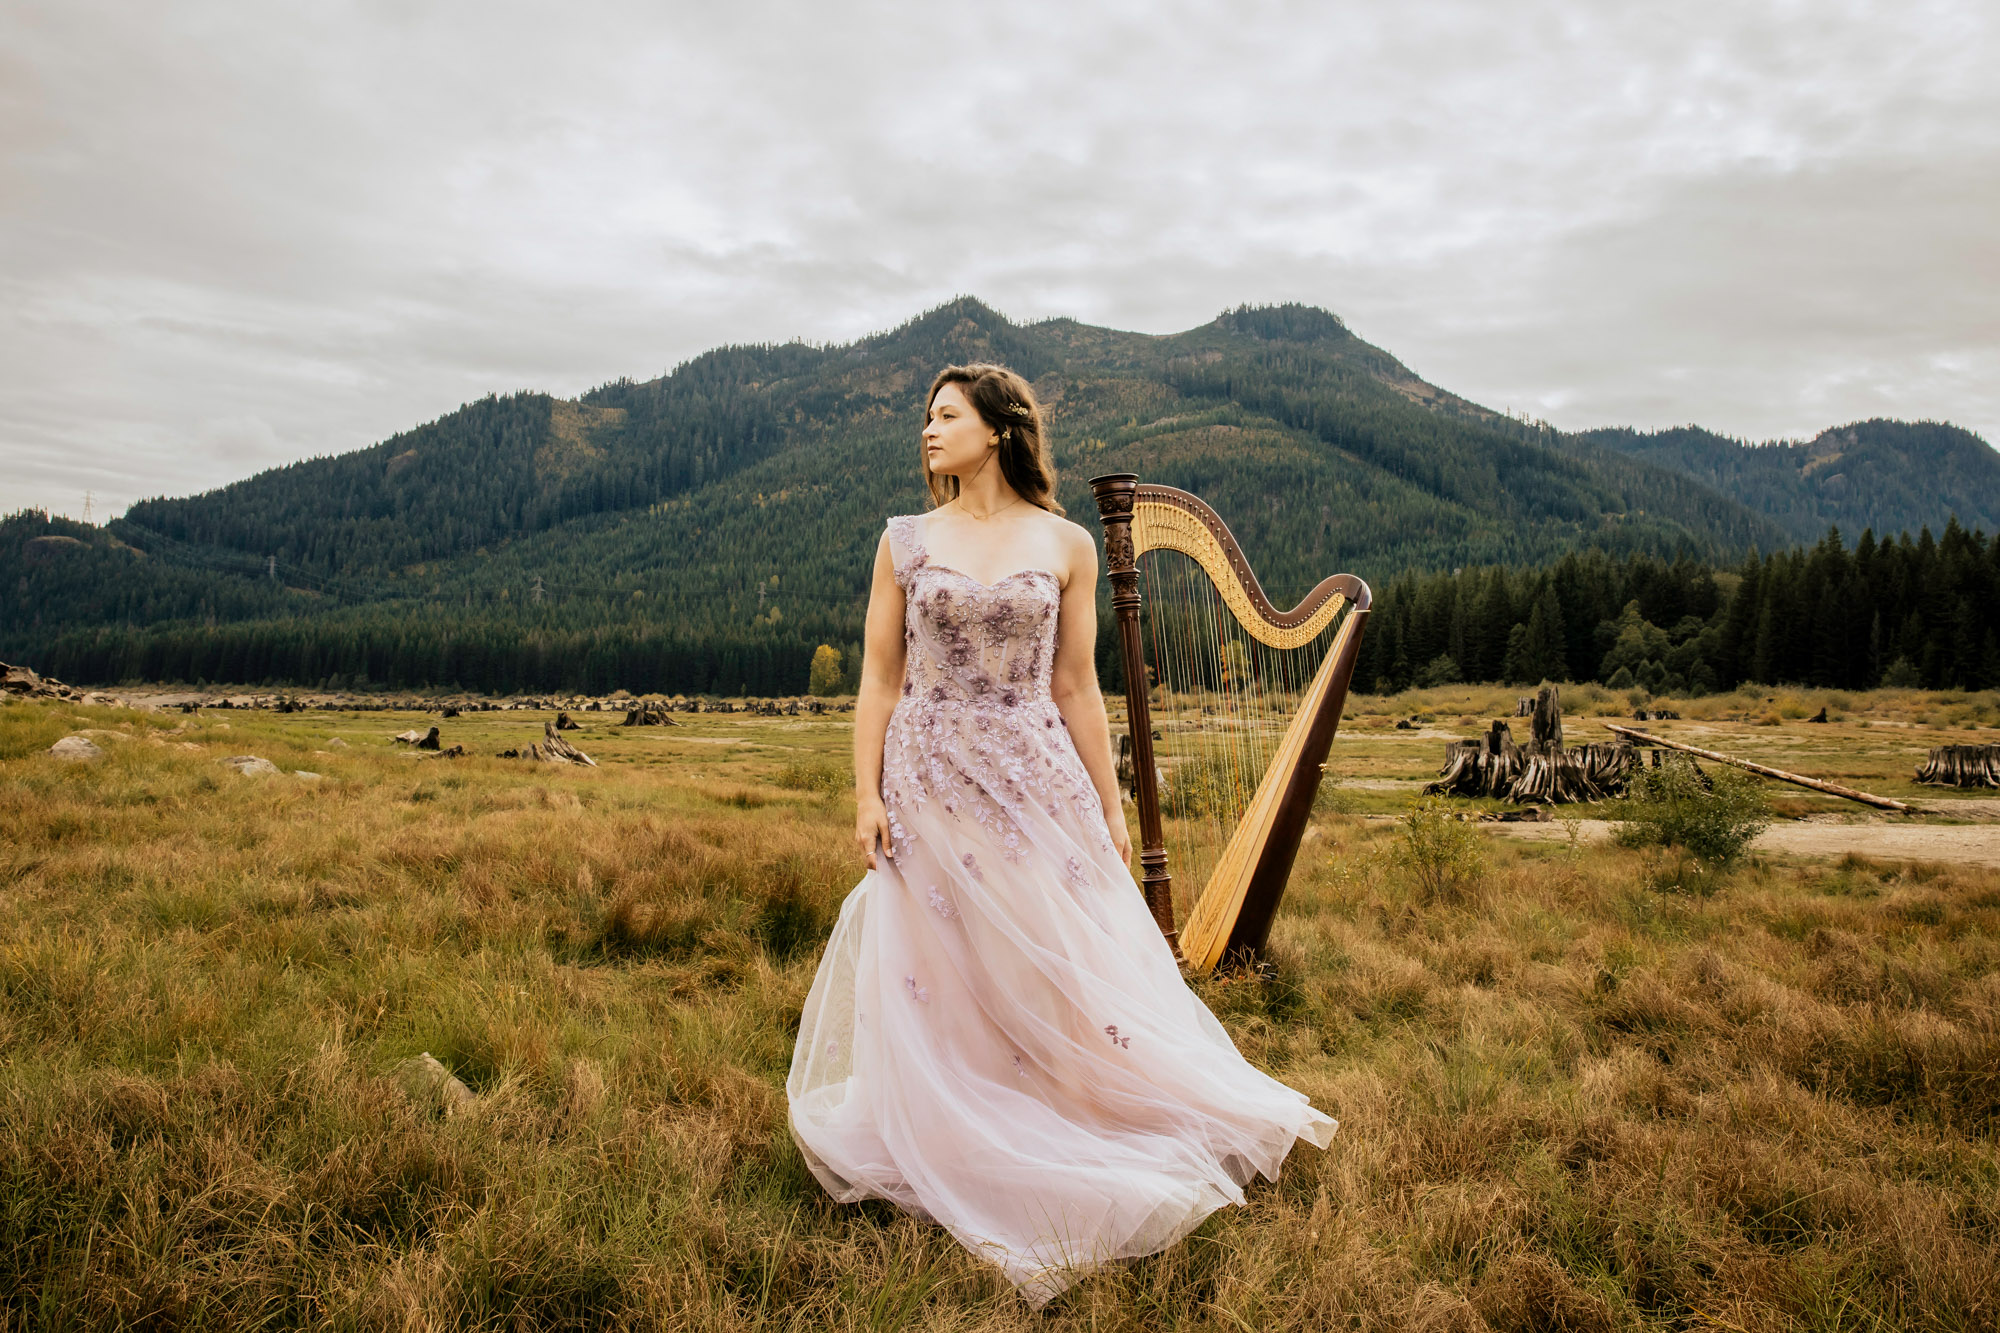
(1764, 770)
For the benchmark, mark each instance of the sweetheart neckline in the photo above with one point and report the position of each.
(922, 523)
(1032, 569)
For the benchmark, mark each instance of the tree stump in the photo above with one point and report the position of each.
(1483, 767)
(552, 750)
(563, 723)
(1545, 726)
(1961, 766)
(1608, 765)
(423, 740)
(1542, 771)
(649, 715)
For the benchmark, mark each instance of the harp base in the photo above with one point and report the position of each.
(1246, 963)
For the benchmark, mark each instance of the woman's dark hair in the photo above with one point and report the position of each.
(1005, 402)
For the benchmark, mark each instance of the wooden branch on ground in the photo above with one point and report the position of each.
(1764, 770)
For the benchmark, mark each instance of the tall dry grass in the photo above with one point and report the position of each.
(1567, 1102)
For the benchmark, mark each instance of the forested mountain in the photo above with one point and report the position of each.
(1892, 476)
(705, 530)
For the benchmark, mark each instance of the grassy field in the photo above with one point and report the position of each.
(1567, 1101)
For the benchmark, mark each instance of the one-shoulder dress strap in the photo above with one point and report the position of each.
(906, 546)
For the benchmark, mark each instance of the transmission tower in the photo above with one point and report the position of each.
(86, 508)
(536, 591)
(271, 567)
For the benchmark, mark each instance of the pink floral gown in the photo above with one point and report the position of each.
(997, 1037)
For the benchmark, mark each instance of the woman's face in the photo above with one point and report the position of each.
(956, 440)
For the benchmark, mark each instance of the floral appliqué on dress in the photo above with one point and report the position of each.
(975, 728)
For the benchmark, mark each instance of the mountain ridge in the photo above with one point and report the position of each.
(737, 497)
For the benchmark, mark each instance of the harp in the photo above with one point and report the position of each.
(1244, 700)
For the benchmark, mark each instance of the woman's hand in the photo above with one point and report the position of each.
(1114, 822)
(871, 824)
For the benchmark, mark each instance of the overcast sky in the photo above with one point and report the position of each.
(233, 235)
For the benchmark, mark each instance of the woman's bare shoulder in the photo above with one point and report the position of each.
(1075, 544)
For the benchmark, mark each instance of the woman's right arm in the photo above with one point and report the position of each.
(882, 661)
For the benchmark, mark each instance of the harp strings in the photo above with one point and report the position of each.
(1222, 700)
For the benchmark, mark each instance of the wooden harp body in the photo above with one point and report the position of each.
(1244, 700)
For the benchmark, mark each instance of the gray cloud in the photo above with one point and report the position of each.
(231, 236)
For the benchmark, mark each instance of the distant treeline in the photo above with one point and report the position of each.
(1922, 612)
(1916, 612)
(385, 648)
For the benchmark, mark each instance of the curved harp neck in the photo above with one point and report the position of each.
(1165, 518)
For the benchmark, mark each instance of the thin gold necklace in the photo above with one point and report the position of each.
(983, 517)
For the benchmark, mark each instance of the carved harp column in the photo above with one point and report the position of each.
(1116, 495)
(1249, 700)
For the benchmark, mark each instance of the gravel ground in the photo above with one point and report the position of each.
(1977, 844)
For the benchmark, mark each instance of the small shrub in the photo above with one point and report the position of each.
(822, 776)
(1441, 854)
(1710, 816)
(1684, 874)
(1330, 799)
(1902, 674)
(1205, 785)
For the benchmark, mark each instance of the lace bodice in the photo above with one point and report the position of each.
(969, 641)
(976, 727)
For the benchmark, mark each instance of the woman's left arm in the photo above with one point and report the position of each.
(1073, 686)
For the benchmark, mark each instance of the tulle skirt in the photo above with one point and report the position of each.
(998, 1039)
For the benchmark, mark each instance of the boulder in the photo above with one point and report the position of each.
(76, 747)
(425, 1079)
(251, 766)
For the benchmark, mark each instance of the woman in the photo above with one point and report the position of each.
(998, 1037)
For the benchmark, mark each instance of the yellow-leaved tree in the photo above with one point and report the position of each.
(824, 678)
